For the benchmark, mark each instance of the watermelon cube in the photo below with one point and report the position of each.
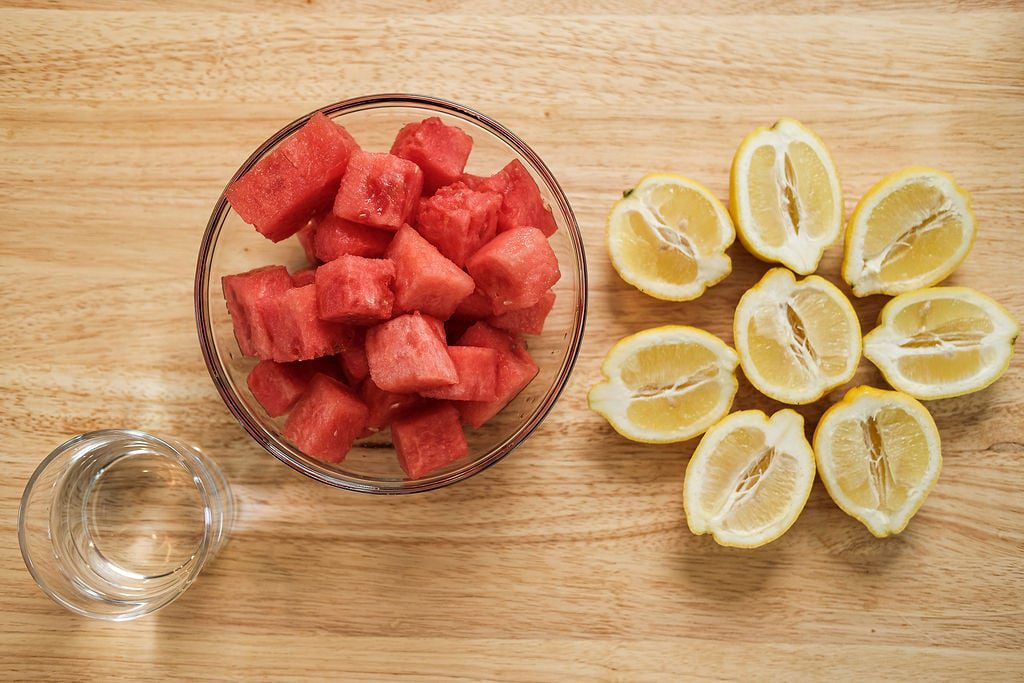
(242, 292)
(301, 278)
(526, 320)
(477, 368)
(320, 150)
(295, 330)
(336, 236)
(482, 334)
(379, 190)
(355, 290)
(326, 420)
(476, 182)
(437, 326)
(273, 197)
(307, 240)
(476, 306)
(516, 369)
(284, 189)
(353, 359)
(407, 355)
(428, 439)
(440, 150)
(425, 280)
(384, 405)
(515, 269)
(522, 204)
(458, 220)
(277, 386)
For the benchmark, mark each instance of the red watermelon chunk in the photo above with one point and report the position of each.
(482, 334)
(301, 278)
(476, 306)
(336, 236)
(379, 190)
(284, 189)
(320, 150)
(522, 204)
(326, 420)
(242, 292)
(407, 355)
(307, 239)
(458, 220)
(355, 290)
(526, 320)
(384, 405)
(477, 368)
(425, 280)
(437, 326)
(476, 182)
(516, 369)
(440, 150)
(277, 386)
(273, 197)
(353, 358)
(428, 439)
(295, 330)
(515, 269)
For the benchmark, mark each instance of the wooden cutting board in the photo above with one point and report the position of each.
(121, 122)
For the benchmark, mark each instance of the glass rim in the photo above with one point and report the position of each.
(281, 450)
(169, 595)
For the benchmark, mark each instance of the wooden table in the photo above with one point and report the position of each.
(571, 559)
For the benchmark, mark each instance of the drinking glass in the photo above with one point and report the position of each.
(116, 524)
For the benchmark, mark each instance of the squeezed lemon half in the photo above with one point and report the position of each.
(879, 456)
(667, 237)
(942, 342)
(796, 339)
(785, 196)
(666, 384)
(909, 231)
(749, 478)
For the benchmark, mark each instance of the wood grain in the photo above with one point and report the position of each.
(120, 123)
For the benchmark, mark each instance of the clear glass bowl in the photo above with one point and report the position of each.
(231, 246)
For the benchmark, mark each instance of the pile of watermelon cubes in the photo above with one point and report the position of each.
(422, 281)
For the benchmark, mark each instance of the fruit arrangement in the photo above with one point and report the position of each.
(876, 451)
(422, 282)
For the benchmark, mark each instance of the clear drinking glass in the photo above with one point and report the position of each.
(116, 524)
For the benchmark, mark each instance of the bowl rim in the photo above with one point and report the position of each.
(267, 440)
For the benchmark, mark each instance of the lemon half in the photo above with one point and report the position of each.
(942, 342)
(785, 196)
(667, 237)
(879, 456)
(796, 339)
(749, 478)
(909, 231)
(666, 384)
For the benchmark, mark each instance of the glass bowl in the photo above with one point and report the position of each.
(231, 246)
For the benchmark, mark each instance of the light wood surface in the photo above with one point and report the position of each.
(119, 124)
